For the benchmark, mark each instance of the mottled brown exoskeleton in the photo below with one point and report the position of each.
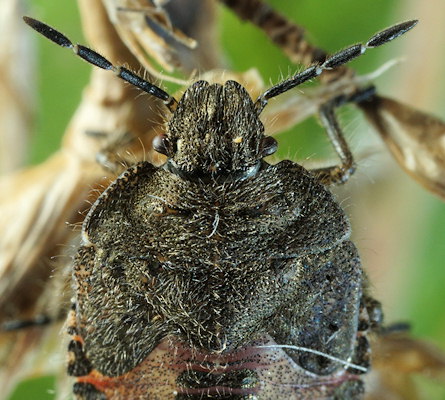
(218, 275)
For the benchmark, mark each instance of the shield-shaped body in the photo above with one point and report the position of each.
(218, 275)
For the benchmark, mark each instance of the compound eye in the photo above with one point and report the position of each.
(268, 146)
(162, 144)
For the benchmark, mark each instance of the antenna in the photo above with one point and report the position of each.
(337, 59)
(96, 59)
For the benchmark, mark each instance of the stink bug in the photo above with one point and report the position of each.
(218, 275)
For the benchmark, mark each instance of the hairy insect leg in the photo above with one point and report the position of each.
(338, 174)
(282, 32)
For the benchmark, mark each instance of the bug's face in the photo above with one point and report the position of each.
(214, 132)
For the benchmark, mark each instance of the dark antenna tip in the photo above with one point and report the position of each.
(391, 33)
(48, 32)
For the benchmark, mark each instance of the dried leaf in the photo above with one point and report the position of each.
(397, 357)
(415, 139)
(168, 33)
(16, 86)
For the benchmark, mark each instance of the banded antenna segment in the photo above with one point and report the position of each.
(337, 59)
(98, 60)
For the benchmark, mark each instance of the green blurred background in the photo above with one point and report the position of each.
(398, 226)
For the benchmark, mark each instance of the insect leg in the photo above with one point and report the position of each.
(284, 33)
(113, 144)
(19, 324)
(338, 173)
(96, 59)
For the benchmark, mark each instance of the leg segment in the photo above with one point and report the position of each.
(282, 32)
(338, 173)
(38, 320)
